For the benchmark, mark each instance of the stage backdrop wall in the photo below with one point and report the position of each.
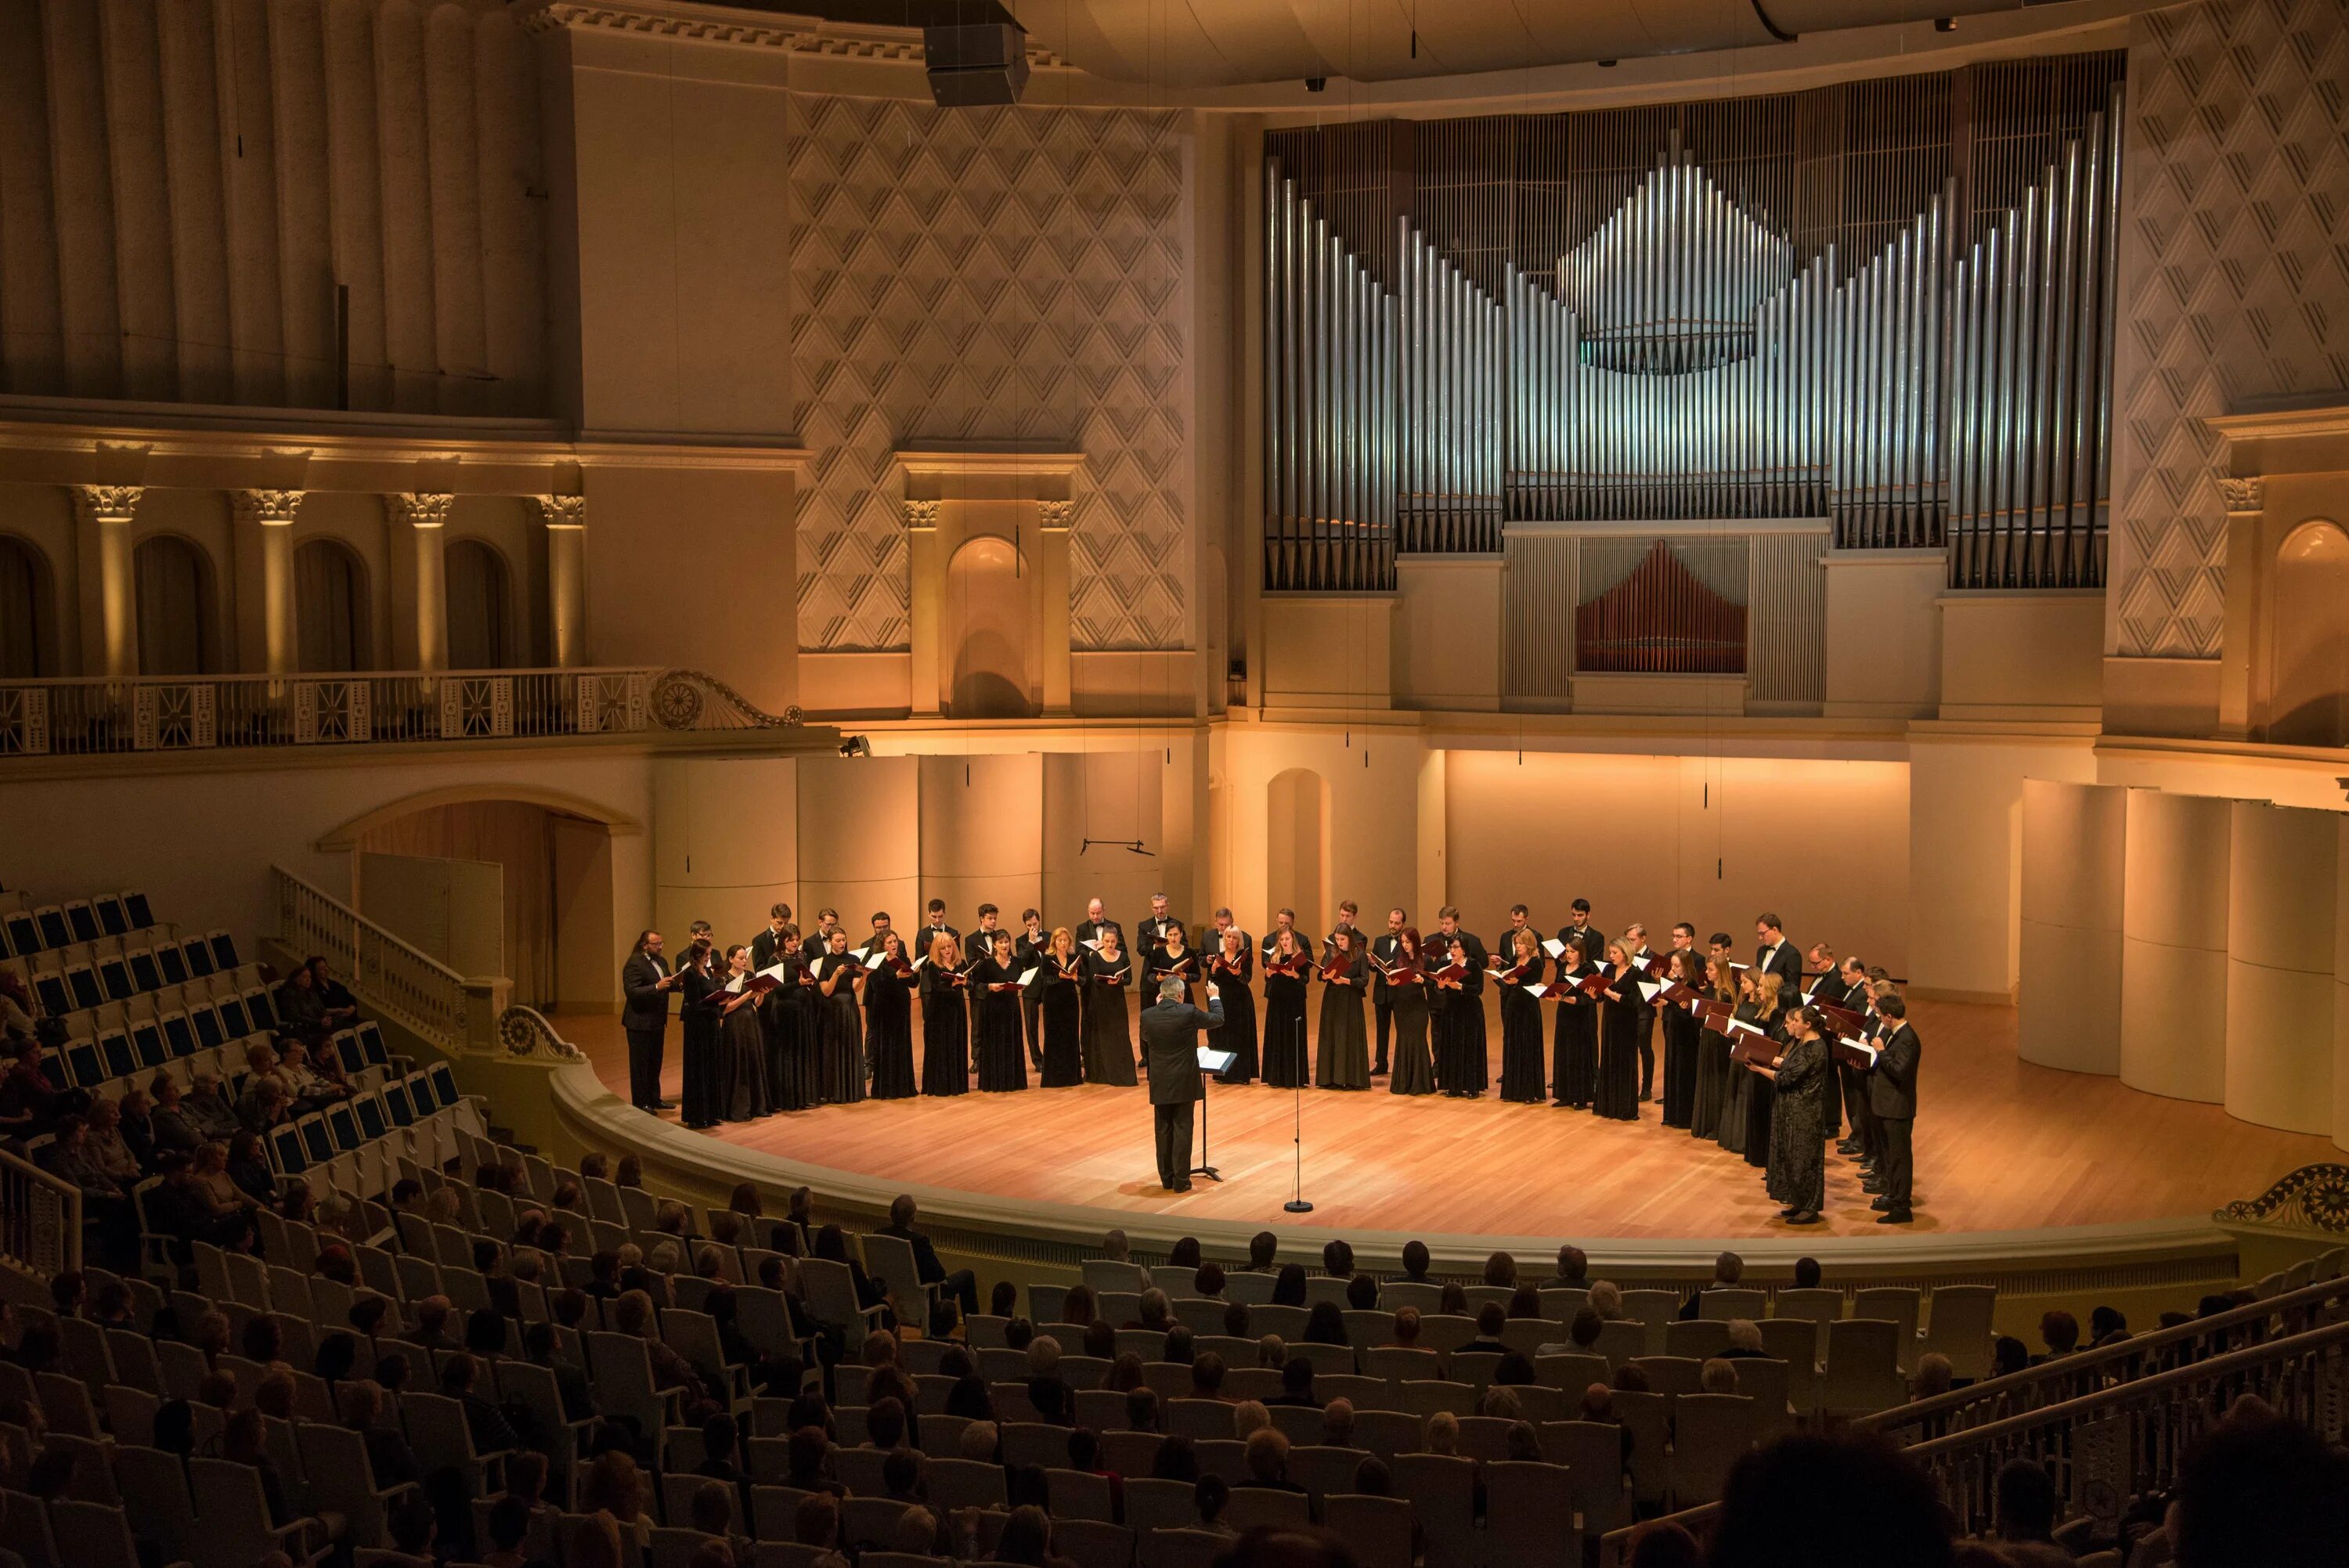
(2074, 844)
(2279, 916)
(2174, 945)
(1712, 840)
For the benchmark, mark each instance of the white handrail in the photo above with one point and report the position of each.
(411, 984)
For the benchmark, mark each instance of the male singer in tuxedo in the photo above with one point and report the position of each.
(1223, 919)
(983, 939)
(818, 941)
(938, 926)
(646, 983)
(880, 929)
(768, 945)
(1170, 1048)
(1777, 955)
(1851, 979)
(1643, 1006)
(1151, 934)
(1892, 1098)
(1028, 951)
(1447, 922)
(1578, 929)
(1385, 948)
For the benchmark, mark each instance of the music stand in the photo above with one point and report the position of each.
(1211, 1060)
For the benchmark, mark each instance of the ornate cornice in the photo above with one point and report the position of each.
(2243, 494)
(563, 510)
(270, 508)
(93, 503)
(712, 25)
(419, 509)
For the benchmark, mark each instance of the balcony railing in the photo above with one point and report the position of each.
(389, 975)
(40, 1220)
(94, 717)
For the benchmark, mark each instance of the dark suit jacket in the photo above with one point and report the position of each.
(1170, 1045)
(1892, 1085)
(765, 948)
(1383, 948)
(1786, 964)
(926, 1267)
(648, 1007)
(1151, 933)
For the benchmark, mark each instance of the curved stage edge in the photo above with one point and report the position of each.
(2179, 1257)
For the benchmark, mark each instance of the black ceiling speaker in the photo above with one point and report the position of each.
(974, 65)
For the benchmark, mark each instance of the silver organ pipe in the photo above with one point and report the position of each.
(1573, 318)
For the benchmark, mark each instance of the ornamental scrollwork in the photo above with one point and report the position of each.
(690, 699)
(2243, 494)
(2316, 1196)
(525, 1032)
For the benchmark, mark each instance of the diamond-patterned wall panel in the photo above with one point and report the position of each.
(1000, 274)
(2236, 264)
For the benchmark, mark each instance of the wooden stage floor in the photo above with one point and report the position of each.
(2001, 1146)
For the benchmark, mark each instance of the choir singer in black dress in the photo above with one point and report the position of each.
(1002, 1058)
(1575, 1062)
(889, 1021)
(1797, 1172)
(1521, 1020)
(1414, 1068)
(1617, 1096)
(1231, 969)
(1109, 1026)
(1342, 1057)
(946, 1020)
(1061, 976)
(697, 978)
(1288, 968)
(839, 977)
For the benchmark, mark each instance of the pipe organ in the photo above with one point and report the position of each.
(1887, 305)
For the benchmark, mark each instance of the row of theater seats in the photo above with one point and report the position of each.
(26, 928)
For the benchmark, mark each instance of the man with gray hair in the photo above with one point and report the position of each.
(1170, 1051)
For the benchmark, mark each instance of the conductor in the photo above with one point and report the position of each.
(1169, 1051)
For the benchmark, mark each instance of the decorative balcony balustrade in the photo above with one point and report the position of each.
(96, 717)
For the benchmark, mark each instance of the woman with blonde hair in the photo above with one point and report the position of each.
(1712, 1064)
(1061, 976)
(1769, 1016)
(1617, 1096)
(1232, 967)
(1523, 1079)
(946, 1019)
(1109, 1020)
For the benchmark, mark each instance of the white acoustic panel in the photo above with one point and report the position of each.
(2284, 865)
(2174, 944)
(2074, 866)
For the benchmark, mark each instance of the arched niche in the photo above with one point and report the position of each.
(331, 608)
(2308, 700)
(1296, 847)
(989, 622)
(28, 623)
(178, 632)
(480, 593)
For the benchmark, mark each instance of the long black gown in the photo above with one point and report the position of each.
(1521, 1032)
(1797, 1167)
(1061, 1019)
(889, 1031)
(742, 1065)
(1737, 1095)
(1414, 1068)
(794, 1037)
(698, 1107)
(997, 1038)
(1459, 1066)
(1187, 966)
(1575, 1070)
(1238, 1033)
(1342, 1055)
(1761, 1103)
(1617, 1097)
(1109, 1019)
(843, 1023)
(1679, 1027)
(945, 1034)
(1712, 1091)
(1284, 1027)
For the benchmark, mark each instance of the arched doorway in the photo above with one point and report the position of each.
(29, 645)
(989, 617)
(1297, 848)
(174, 585)
(330, 607)
(2308, 702)
(479, 605)
(501, 886)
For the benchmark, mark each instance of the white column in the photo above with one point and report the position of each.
(925, 587)
(1053, 519)
(2246, 500)
(566, 576)
(267, 518)
(110, 619)
(426, 516)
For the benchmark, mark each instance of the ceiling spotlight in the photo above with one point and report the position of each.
(856, 746)
(1945, 24)
(1316, 84)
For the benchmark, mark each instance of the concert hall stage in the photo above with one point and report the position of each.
(2001, 1147)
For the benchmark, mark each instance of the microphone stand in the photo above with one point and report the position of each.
(1298, 1206)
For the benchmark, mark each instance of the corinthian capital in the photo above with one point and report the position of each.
(2243, 495)
(563, 510)
(419, 509)
(272, 508)
(111, 503)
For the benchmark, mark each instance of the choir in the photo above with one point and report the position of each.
(1768, 1059)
